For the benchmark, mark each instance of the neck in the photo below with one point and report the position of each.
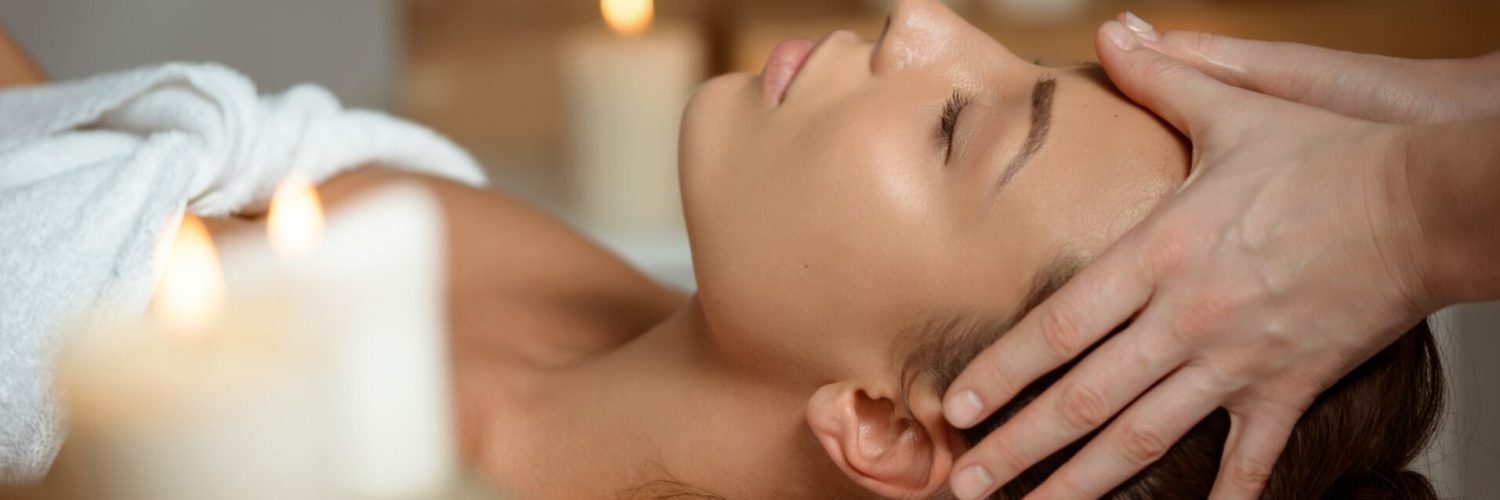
(666, 406)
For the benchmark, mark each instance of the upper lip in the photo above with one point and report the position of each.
(802, 66)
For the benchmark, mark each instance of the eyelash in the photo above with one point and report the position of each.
(949, 120)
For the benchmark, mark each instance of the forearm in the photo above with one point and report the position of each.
(1453, 176)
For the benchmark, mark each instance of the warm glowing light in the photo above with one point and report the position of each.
(627, 17)
(191, 294)
(295, 223)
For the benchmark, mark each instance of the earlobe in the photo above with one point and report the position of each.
(881, 445)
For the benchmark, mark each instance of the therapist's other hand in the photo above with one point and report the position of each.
(1287, 258)
(1372, 87)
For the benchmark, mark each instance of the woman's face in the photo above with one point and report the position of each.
(840, 212)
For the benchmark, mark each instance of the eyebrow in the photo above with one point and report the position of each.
(1036, 137)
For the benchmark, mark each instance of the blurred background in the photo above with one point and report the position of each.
(580, 117)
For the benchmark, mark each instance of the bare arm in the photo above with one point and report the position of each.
(1453, 174)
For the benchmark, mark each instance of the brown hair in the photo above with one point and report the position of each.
(1355, 441)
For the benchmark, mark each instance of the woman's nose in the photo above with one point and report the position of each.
(915, 33)
(918, 33)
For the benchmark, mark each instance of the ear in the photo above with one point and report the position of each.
(883, 446)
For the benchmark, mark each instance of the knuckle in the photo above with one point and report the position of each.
(1201, 315)
(1278, 344)
(1224, 376)
(1082, 408)
(1060, 333)
(1249, 474)
(1008, 459)
(1171, 242)
(1142, 444)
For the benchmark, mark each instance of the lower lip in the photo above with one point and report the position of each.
(783, 66)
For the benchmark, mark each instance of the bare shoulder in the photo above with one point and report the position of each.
(521, 280)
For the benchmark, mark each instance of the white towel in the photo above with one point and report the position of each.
(95, 172)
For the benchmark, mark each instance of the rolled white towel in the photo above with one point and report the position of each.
(95, 172)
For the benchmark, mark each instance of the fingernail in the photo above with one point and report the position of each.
(963, 409)
(1120, 36)
(1140, 27)
(972, 483)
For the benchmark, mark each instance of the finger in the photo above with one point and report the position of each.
(1291, 71)
(1282, 69)
(1138, 438)
(1185, 97)
(1107, 380)
(1343, 82)
(1250, 453)
(1087, 308)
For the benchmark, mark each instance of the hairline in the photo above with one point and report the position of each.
(942, 345)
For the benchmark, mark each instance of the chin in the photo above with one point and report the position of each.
(711, 119)
(713, 125)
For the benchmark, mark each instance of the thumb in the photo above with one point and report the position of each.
(1180, 94)
(1291, 71)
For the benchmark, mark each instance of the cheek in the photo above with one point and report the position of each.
(821, 229)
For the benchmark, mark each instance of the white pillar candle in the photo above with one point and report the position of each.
(626, 93)
(374, 288)
(325, 376)
(207, 398)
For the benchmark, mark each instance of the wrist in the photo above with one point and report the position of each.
(1401, 233)
(1450, 173)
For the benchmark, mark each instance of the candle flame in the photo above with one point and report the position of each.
(295, 224)
(627, 17)
(191, 294)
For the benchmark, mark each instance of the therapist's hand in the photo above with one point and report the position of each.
(1289, 256)
(1367, 86)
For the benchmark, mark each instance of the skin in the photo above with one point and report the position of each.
(823, 229)
(561, 395)
(1323, 218)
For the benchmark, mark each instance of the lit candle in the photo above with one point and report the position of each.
(371, 286)
(205, 399)
(321, 373)
(627, 86)
(294, 224)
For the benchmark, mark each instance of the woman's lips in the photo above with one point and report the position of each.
(783, 66)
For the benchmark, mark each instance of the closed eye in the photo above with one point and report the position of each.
(949, 120)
